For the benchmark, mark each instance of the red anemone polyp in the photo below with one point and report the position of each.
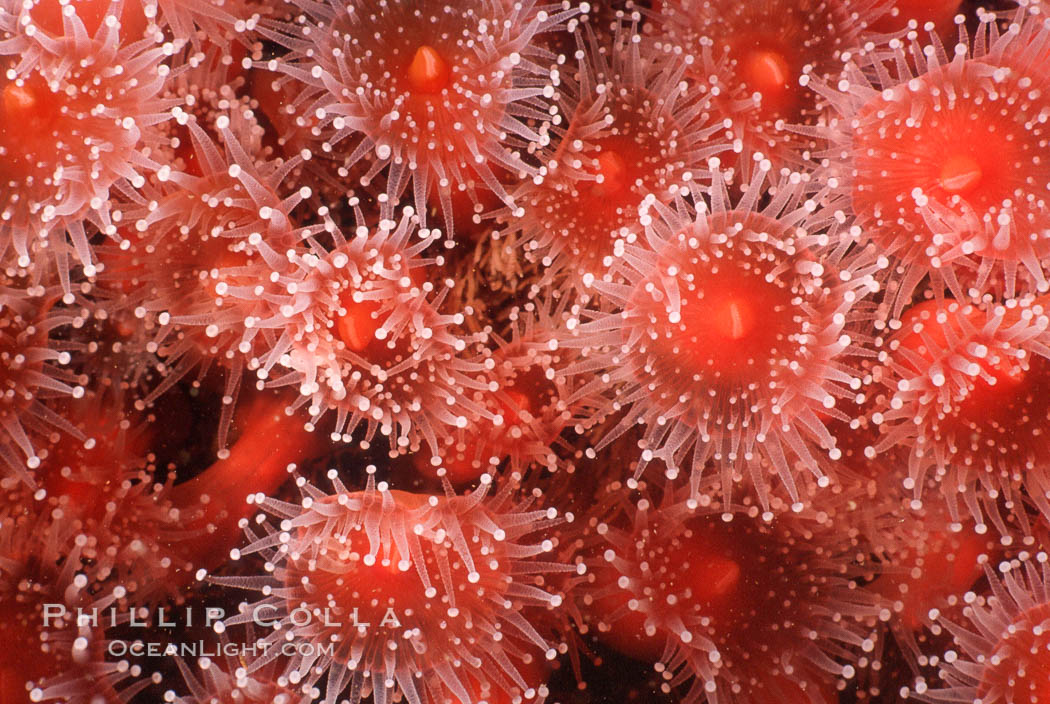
(31, 370)
(529, 395)
(772, 48)
(430, 95)
(630, 128)
(358, 327)
(941, 159)
(42, 594)
(78, 114)
(728, 602)
(730, 337)
(1001, 652)
(966, 394)
(416, 593)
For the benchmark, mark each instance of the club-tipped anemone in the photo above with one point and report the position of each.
(438, 98)
(629, 127)
(772, 48)
(1001, 648)
(733, 607)
(731, 338)
(963, 392)
(32, 370)
(937, 154)
(78, 117)
(444, 582)
(356, 325)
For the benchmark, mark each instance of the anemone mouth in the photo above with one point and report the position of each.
(735, 323)
(357, 325)
(589, 207)
(766, 66)
(770, 46)
(431, 95)
(734, 307)
(770, 40)
(612, 173)
(961, 173)
(936, 565)
(76, 120)
(428, 72)
(345, 577)
(630, 132)
(526, 405)
(20, 102)
(28, 153)
(425, 80)
(368, 322)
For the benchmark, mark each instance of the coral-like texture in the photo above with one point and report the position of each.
(524, 351)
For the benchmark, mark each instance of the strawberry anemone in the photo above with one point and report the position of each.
(732, 607)
(104, 490)
(773, 48)
(221, 225)
(1002, 650)
(432, 98)
(358, 329)
(60, 657)
(531, 402)
(147, 535)
(964, 393)
(32, 370)
(924, 566)
(78, 115)
(730, 339)
(443, 583)
(223, 679)
(629, 127)
(940, 158)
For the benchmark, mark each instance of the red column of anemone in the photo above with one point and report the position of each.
(258, 462)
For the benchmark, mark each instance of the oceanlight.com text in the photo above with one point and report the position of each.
(155, 649)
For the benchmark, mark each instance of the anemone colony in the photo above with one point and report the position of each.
(511, 351)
